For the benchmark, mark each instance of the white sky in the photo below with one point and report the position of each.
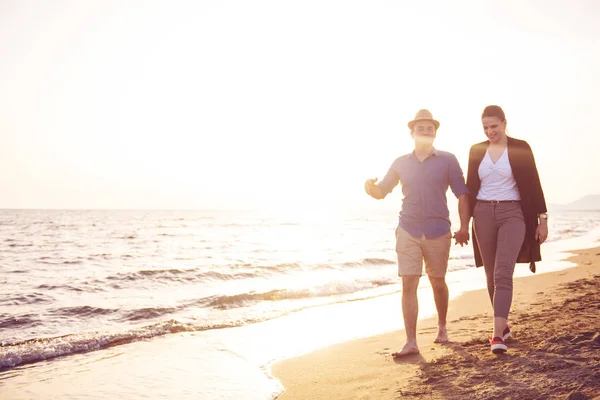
(211, 104)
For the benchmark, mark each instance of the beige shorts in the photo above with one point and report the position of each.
(413, 251)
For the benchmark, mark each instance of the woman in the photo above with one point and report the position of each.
(510, 219)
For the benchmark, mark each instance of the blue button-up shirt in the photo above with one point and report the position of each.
(424, 186)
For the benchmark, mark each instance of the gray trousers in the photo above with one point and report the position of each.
(500, 230)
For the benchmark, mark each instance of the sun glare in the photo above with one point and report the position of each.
(208, 105)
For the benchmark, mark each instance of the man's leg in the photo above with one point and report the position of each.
(410, 269)
(410, 312)
(440, 295)
(436, 253)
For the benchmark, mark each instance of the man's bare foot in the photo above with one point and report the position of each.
(407, 350)
(442, 335)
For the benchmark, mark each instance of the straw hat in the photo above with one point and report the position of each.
(423, 115)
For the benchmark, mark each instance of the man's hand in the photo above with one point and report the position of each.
(461, 236)
(372, 189)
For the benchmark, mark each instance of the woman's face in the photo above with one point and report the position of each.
(494, 129)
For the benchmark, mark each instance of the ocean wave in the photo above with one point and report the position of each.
(134, 236)
(378, 261)
(23, 299)
(148, 313)
(67, 262)
(81, 311)
(62, 287)
(335, 288)
(182, 275)
(99, 255)
(466, 256)
(13, 354)
(367, 262)
(35, 350)
(19, 321)
(284, 267)
(233, 272)
(454, 267)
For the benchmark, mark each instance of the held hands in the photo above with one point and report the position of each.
(461, 237)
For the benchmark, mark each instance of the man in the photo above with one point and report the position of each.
(423, 232)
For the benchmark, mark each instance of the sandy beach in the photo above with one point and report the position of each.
(555, 352)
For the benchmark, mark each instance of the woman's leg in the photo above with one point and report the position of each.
(511, 233)
(486, 231)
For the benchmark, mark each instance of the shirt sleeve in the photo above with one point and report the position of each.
(457, 179)
(390, 180)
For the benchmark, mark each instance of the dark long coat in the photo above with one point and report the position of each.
(533, 203)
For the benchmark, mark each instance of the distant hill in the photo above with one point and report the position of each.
(590, 202)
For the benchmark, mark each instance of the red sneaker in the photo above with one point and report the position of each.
(506, 334)
(498, 345)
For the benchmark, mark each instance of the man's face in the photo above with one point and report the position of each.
(423, 132)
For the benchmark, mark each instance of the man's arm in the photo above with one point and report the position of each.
(373, 189)
(388, 183)
(463, 211)
(460, 190)
(462, 235)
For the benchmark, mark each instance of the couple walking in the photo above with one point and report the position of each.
(502, 194)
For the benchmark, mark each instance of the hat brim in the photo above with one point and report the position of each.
(411, 124)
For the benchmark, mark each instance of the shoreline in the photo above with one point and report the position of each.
(363, 368)
(244, 362)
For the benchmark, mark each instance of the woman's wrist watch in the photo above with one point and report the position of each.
(543, 216)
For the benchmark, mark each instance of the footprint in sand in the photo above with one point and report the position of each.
(384, 352)
(477, 377)
(585, 336)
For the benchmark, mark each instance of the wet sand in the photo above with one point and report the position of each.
(555, 352)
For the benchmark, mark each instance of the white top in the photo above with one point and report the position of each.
(497, 180)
